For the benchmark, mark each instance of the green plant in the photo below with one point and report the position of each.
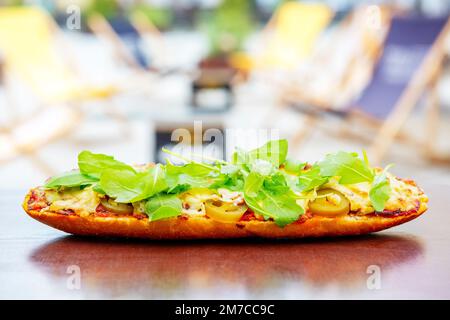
(228, 26)
(160, 17)
(106, 8)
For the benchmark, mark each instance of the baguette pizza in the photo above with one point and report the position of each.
(258, 193)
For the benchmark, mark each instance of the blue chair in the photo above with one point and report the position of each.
(410, 64)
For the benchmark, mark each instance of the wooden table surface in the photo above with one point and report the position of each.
(413, 261)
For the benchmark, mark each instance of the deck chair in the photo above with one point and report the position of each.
(290, 35)
(127, 36)
(355, 46)
(32, 134)
(32, 53)
(409, 65)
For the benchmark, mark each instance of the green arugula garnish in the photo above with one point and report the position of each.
(191, 175)
(311, 179)
(282, 208)
(163, 206)
(293, 166)
(274, 151)
(253, 184)
(93, 164)
(380, 190)
(271, 183)
(126, 186)
(70, 179)
(348, 166)
(276, 183)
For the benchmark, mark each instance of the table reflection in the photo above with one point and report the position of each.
(112, 268)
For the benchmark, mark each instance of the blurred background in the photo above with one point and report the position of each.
(129, 77)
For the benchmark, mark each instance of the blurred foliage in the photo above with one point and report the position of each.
(228, 25)
(161, 17)
(12, 2)
(107, 8)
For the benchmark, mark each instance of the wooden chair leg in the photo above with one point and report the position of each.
(432, 119)
(432, 128)
(426, 75)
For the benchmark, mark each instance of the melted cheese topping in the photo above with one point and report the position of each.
(404, 196)
(82, 202)
(194, 200)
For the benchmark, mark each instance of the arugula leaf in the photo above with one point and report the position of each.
(179, 188)
(310, 179)
(162, 206)
(274, 151)
(126, 186)
(267, 191)
(276, 183)
(380, 190)
(232, 177)
(93, 164)
(348, 166)
(293, 166)
(191, 175)
(70, 179)
(282, 208)
(96, 187)
(253, 184)
(155, 182)
(291, 181)
(122, 185)
(233, 184)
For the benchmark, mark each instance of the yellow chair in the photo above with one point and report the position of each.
(32, 54)
(30, 50)
(291, 34)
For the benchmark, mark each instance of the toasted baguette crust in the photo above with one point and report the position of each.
(205, 228)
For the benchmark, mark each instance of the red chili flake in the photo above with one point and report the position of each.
(304, 217)
(248, 215)
(37, 201)
(396, 213)
(33, 197)
(103, 214)
(101, 209)
(140, 216)
(66, 212)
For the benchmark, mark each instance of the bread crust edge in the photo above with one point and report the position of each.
(201, 227)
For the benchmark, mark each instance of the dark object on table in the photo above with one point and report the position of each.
(215, 73)
(208, 140)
